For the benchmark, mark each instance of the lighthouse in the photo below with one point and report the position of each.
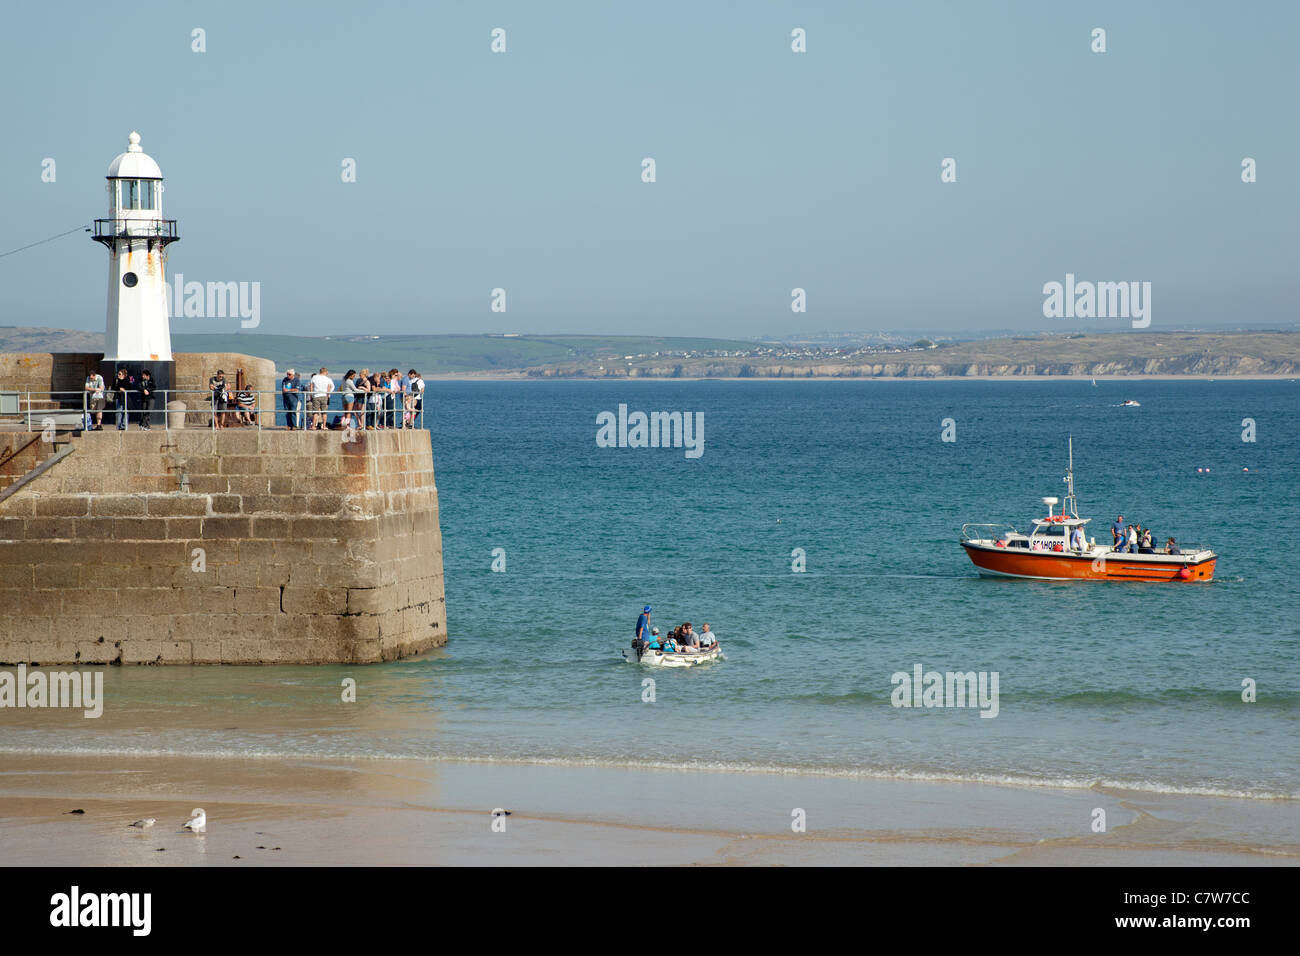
(137, 335)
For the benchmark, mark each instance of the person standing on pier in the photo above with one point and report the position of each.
(415, 395)
(289, 396)
(95, 401)
(122, 386)
(321, 386)
(146, 389)
(220, 396)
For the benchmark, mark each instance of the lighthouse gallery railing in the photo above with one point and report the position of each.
(106, 230)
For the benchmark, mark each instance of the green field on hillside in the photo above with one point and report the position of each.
(442, 354)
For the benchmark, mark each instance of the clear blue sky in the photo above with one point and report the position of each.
(775, 170)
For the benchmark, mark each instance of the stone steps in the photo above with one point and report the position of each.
(20, 454)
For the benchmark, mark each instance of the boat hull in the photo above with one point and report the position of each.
(672, 658)
(993, 561)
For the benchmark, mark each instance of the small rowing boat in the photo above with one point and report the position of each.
(656, 658)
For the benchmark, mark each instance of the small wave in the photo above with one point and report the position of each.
(1076, 698)
(850, 697)
(1007, 779)
(1168, 695)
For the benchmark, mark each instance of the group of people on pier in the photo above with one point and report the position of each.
(119, 391)
(369, 401)
(379, 400)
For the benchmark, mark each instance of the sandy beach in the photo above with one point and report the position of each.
(265, 812)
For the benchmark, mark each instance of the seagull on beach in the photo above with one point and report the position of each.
(198, 821)
(144, 824)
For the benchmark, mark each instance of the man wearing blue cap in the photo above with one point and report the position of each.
(641, 642)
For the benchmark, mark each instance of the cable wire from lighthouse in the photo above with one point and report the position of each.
(81, 228)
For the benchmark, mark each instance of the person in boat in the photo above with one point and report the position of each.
(1132, 539)
(1076, 538)
(1117, 535)
(641, 638)
(655, 644)
(1144, 542)
(1171, 547)
(707, 637)
(690, 641)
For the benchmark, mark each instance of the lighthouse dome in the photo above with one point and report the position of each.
(134, 163)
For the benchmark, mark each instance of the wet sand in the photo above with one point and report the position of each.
(411, 812)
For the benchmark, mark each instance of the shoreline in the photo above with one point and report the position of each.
(1009, 780)
(379, 811)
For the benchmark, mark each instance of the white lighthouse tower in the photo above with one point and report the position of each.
(137, 334)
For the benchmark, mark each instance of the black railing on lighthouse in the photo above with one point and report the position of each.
(162, 231)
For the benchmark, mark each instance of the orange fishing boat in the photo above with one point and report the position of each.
(1057, 549)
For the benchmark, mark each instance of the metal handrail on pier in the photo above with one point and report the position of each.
(73, 410)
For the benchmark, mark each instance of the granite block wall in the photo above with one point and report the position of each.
(229, 546)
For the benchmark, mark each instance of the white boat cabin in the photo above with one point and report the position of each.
(1056, 532)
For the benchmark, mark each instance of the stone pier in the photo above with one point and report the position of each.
(232, 546)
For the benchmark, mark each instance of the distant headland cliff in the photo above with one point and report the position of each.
(1246, 354)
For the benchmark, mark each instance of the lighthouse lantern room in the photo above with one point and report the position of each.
(137, 334)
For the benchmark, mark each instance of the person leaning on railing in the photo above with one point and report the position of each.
(361, 397)
(376, 401)
(414, 396)
(95, 401)
(379, 398)
(349, 398)
(395, 400)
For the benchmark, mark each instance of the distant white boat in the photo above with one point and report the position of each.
(1094, 383)
(1130, 404)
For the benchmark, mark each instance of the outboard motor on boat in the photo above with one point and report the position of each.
(639, 645)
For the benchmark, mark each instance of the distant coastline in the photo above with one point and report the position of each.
(1108, 356)
(524, 376)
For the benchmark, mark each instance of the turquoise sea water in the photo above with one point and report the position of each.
(1134, 685)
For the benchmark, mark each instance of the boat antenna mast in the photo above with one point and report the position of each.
(1070, 504)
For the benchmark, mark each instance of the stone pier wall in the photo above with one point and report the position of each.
(67, 371)
(236, 546)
